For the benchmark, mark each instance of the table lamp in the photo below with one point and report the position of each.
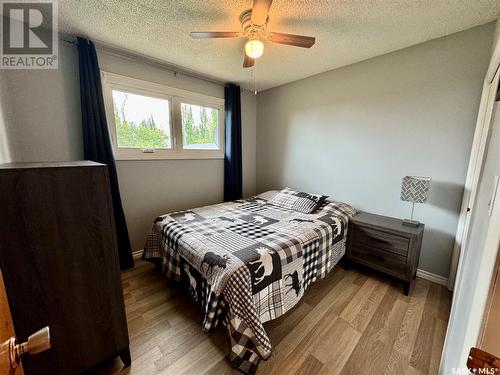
(414, 189)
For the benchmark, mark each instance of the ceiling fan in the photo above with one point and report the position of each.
(254, 25)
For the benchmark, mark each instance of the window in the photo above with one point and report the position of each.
(141, 121)
(152, 121)
(200, 127)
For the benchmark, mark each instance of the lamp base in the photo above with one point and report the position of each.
(411, 223)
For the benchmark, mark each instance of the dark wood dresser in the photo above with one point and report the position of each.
(59, 260)
(385, 244)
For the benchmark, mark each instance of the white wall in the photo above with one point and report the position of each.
(354, 132)
(46, 125)
(476, 265)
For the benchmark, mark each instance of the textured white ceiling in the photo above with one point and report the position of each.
(346, 31)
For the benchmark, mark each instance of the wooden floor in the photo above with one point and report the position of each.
(351, 322)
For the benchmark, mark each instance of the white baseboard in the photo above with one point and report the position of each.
(432, 277)
(137, 254)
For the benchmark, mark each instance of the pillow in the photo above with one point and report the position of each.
(297, 200)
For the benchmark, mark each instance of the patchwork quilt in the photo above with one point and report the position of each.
(247, 262)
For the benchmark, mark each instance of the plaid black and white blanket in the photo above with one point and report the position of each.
(247, 262)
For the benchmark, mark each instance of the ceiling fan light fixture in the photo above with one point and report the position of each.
(254, 29)
(254, 48)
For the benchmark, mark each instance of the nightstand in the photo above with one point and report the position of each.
(385, 244)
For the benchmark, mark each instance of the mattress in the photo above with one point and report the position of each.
(246, 262)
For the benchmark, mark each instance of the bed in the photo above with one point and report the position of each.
(248, 261)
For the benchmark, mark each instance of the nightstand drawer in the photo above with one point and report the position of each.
(381, 258)
(381, 240)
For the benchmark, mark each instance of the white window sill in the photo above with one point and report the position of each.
(172, 155)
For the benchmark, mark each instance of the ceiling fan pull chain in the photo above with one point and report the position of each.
(253, 79)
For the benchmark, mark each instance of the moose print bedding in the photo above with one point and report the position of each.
(247, 262)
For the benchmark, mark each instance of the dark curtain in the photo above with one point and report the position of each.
(96, 140)
(233, 179)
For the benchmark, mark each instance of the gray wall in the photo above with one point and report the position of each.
(5, 152)
(153, 187)
(354, 132)
(43, 123)
(44, 110)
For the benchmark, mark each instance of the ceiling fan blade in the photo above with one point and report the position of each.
(260, 11)
(215, 34)
(248, 61)
(292, 40)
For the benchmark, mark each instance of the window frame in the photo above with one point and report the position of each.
(175, 96)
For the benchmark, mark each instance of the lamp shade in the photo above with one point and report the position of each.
(415, 189)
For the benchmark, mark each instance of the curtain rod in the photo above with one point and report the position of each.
(133, 56)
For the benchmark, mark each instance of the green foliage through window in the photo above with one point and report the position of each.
(146, 134)
(199, 128)
(143, 122)
(143, 135)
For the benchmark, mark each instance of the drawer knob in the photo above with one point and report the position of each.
(37, 343)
